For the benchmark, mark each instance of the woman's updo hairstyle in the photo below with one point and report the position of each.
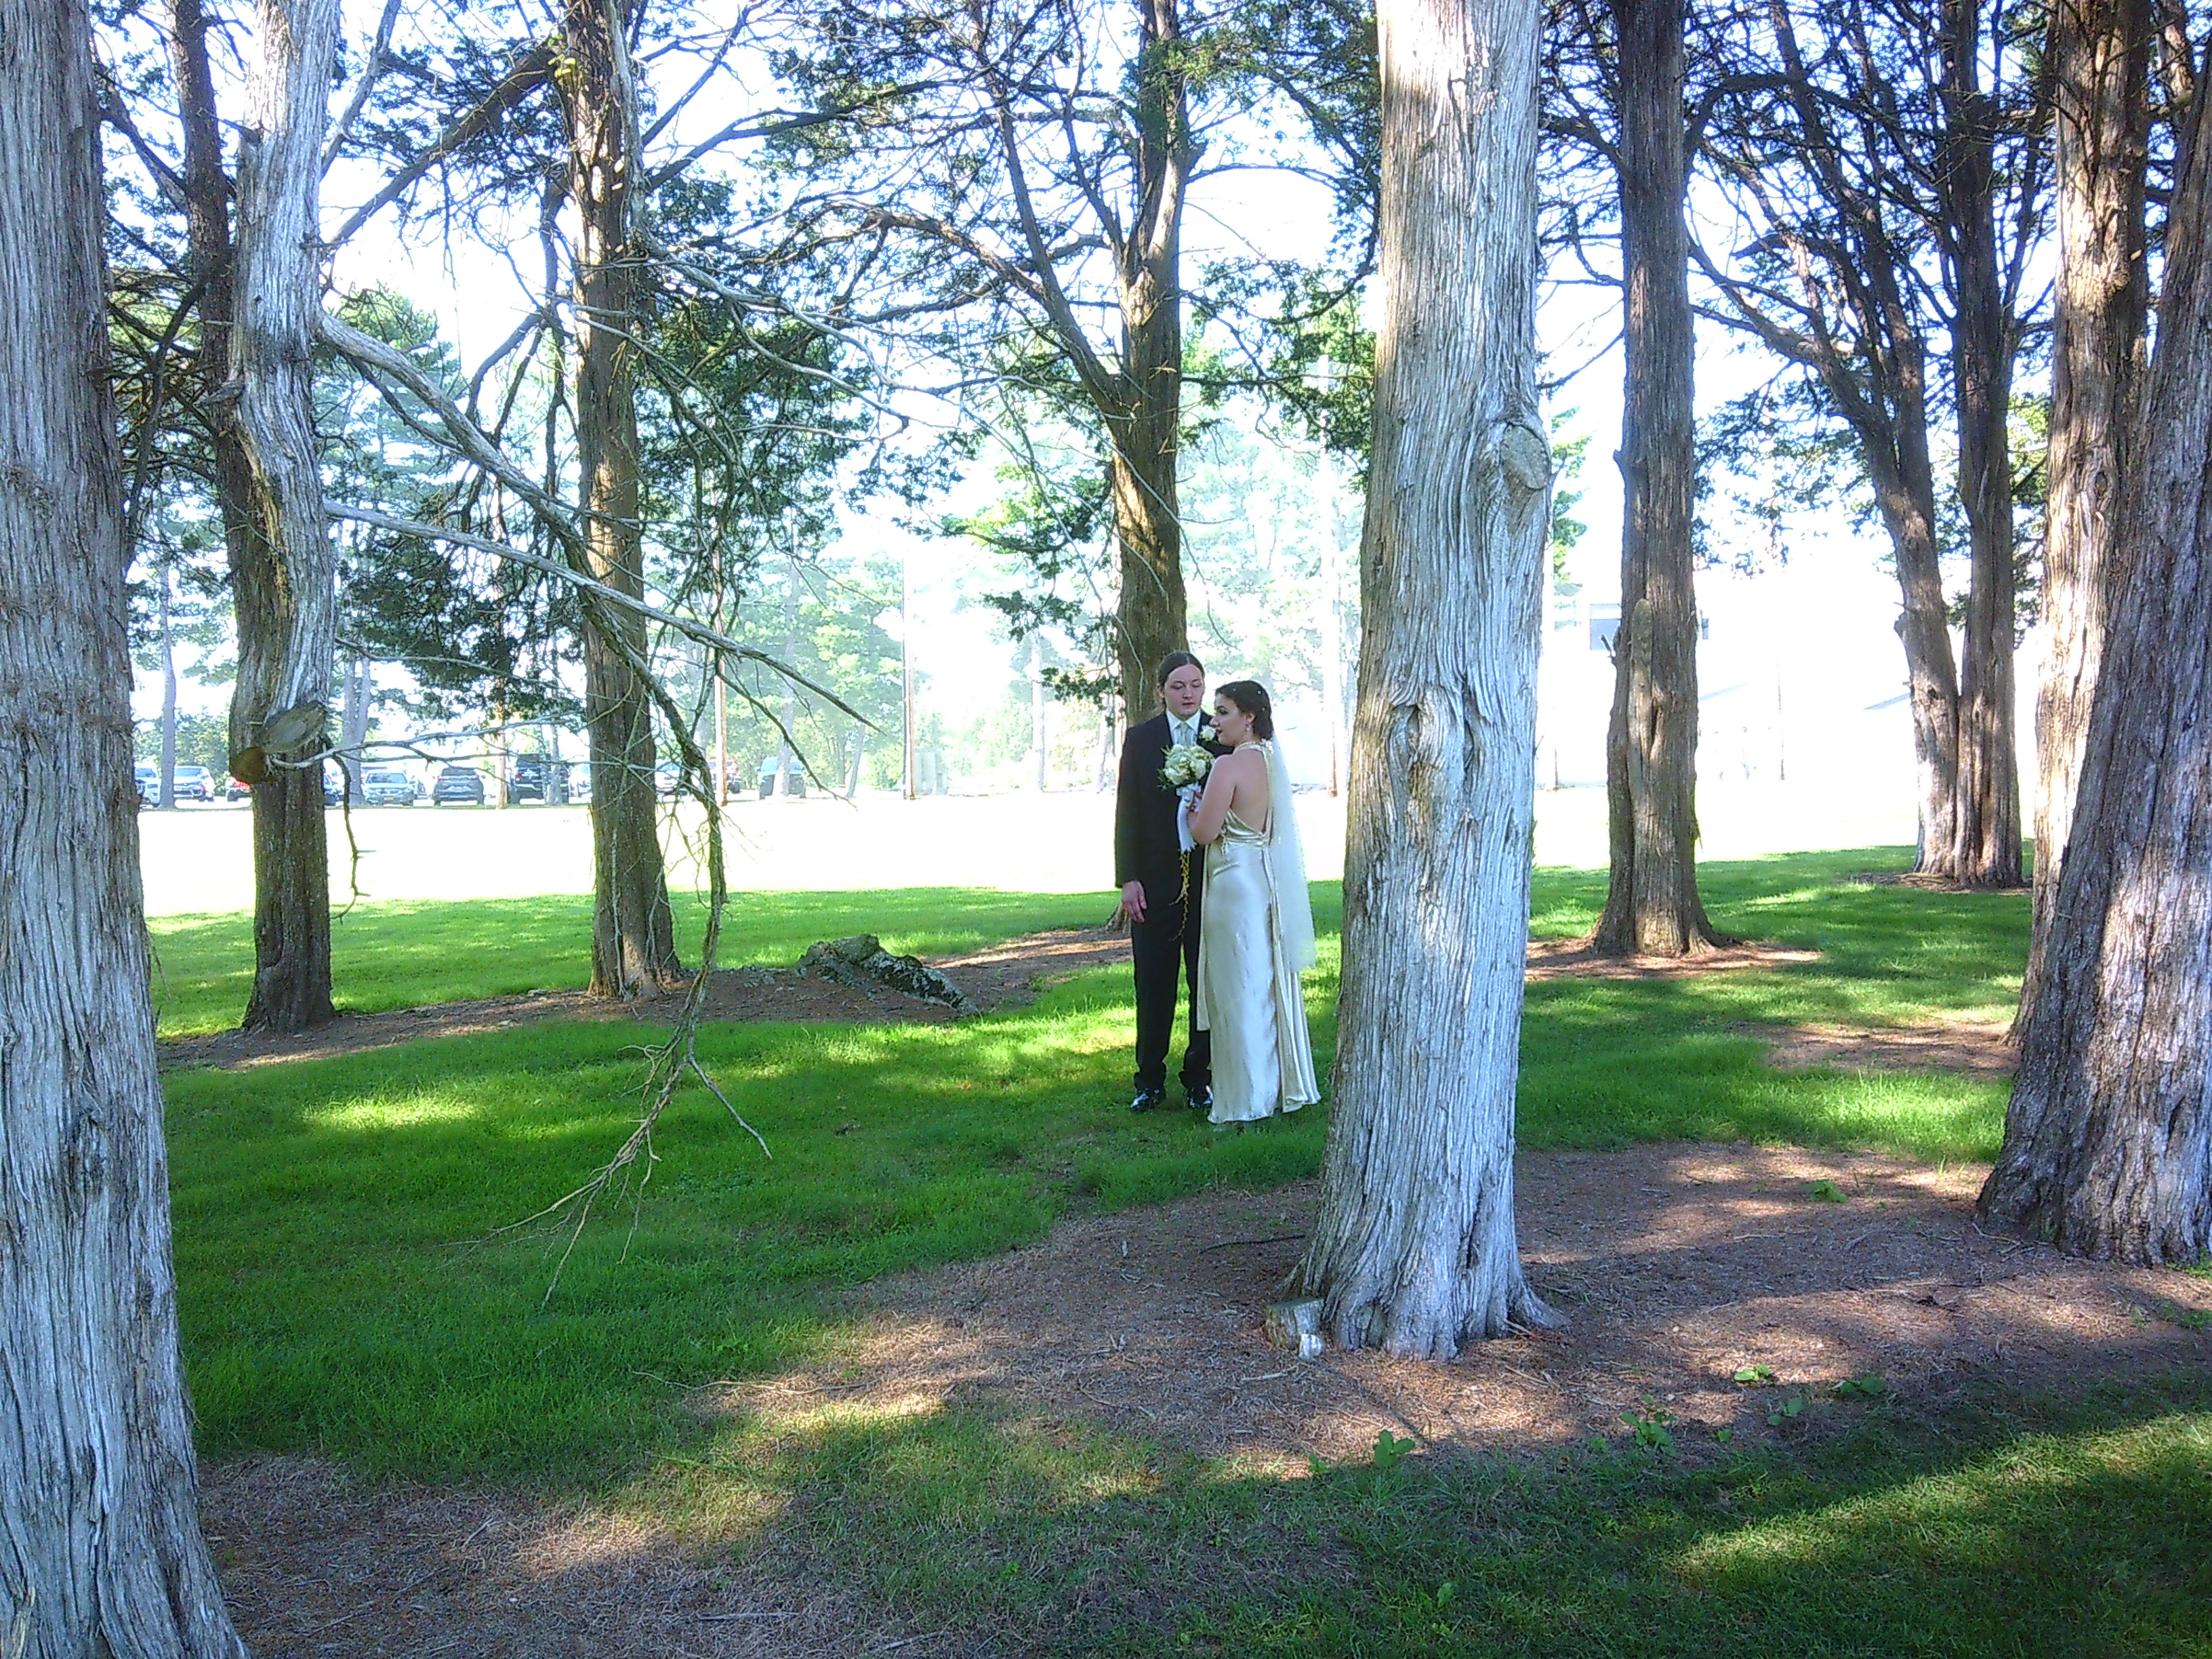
(1251, 698)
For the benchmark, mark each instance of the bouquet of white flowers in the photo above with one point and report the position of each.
(1184, 771)
(1185, 767)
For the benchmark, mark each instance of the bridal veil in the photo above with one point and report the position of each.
(1286, 862)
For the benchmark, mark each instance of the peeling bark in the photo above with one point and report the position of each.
(100, 1551)
(253, 365)
(633, 933)
(1986, 843)
(1414, 1251)
(2101, 61)
(2108, 1138)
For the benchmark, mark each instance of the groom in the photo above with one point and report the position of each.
(1161, 909)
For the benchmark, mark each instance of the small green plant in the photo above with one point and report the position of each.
(2189, 1319)
(1651, 1425)
(1723, 1434)
(1752, 1375)
(1869, 1387)
(1826, 1192)
(1390, 1450)
(1789, 1411)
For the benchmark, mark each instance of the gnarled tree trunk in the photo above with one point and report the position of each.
(2108, 1138)
(1414, 1251)
(284, 570)
(633, 933)
(100, 1551)
(255, 367)
(1651, 903)
(2100, 58)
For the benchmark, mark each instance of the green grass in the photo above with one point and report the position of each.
(404, 954)
(344, 1291)
(1868, 1531)
(346, 1288)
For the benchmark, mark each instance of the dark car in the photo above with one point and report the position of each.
(458, 783)
(537, 778)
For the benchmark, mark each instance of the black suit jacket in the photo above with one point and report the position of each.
(1146, 846)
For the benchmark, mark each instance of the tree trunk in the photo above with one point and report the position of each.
(168, 766)
(1651, 905)
(1145, 425)
(1896, 454)
(291, 879)
(100, 1551)
(353, 724)
(2108, 1138)
(1986, 831)
(633, 933)
(1414, 1251)
(2101, 62)
(285, 568)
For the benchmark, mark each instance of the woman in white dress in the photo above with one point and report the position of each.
(1257, 930)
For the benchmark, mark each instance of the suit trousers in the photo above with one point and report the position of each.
(1165, 948)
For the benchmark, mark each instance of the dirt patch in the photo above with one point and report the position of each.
(314, 1567)
(1004, 977)
(1677, 1267)
(1977, 1047)
(1925, 884)
(1571, 959)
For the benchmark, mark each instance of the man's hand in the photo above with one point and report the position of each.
(1132, 901)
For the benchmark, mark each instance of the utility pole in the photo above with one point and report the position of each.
(909, 780)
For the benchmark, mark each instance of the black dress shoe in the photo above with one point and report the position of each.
(1201, 1098)
(1148, 1098)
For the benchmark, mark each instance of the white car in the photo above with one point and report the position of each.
(195, 783)
(387, 786)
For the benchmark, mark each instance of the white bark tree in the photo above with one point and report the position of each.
(1415, 1250)
(100, 1551)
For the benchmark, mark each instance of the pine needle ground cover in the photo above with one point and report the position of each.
(347, 1290)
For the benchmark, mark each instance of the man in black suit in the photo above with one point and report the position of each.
(1161, 908)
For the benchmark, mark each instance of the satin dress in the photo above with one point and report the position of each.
(1248, 992)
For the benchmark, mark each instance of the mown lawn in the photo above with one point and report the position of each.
(346, 1291)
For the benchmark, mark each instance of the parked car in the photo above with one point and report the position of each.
(333, 784)
(195, 783)
(536, 778)
(458, 783)
(387, 786)
(150, 783)
(794, 773)
(580, 783)
(236, 788)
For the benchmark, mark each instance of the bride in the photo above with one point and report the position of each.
(1257, 929)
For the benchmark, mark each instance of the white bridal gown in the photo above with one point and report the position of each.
(1248, 992)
